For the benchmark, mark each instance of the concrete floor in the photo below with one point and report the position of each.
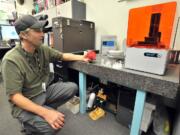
(8, 125)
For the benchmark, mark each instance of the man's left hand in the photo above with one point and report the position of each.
(85, 59)
(90, 55)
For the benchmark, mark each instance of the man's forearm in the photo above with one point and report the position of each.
(27, 104)
(72, 57)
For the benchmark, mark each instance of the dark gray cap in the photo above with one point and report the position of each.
(28, 21)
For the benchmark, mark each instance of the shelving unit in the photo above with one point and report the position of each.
(71, 9)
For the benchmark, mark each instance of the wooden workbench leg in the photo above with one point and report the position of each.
(138, 112)
(82, 92)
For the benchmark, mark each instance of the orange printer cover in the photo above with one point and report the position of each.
(151, 26)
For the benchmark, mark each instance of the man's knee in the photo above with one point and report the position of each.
(73, 88)
(46, 129)
(39, 126)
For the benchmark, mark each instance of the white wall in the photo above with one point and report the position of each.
(26, 8)
(111, 17)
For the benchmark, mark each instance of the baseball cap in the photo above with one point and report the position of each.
(29, 21)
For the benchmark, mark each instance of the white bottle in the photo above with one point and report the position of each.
(91, 100)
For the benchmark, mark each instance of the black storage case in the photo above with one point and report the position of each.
(73, 35)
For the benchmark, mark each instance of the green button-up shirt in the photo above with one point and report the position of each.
(25, 72)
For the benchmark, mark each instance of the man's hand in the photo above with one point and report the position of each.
(54, 118)
(87, 57)
(90, 55)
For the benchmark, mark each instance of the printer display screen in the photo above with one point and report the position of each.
(108, 43)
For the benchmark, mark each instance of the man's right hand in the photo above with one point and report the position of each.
(54, 118)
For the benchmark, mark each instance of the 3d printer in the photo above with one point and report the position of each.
(149, 37)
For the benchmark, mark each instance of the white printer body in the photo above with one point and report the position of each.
(146, 59)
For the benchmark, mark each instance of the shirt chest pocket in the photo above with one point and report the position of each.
(31, 79)
(35, 77)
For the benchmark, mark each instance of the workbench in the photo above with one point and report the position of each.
(166, 85)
